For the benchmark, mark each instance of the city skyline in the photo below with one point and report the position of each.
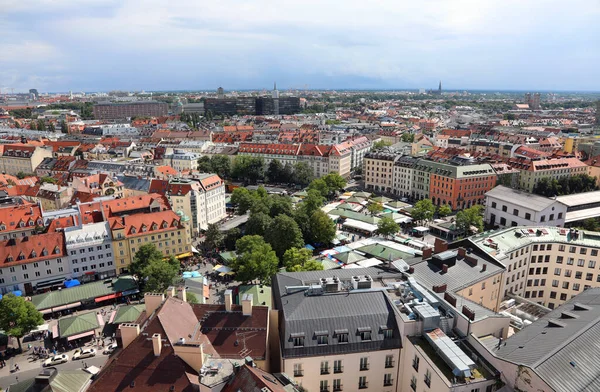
(105, 45)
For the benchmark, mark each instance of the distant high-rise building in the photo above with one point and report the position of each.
(533, 101)
(34, 94)
(220, 93)
(440, 88)
(112, 111)
(275, 91)
(598, 112)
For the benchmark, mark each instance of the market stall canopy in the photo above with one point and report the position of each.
(71, 283)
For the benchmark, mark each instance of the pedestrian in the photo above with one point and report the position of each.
(16, 367)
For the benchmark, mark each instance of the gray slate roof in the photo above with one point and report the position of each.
(563, 354)
(523, 199)
(135, 183)
(333, 312)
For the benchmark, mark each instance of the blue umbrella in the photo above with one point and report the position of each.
(196, 274)
(71, 283)
(18, 293)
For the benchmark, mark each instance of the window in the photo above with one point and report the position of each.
(580, 262)
(560, 215)
(582, 251)
(557, 271)
(594, 252)
(504, 208)
(570, 261)
(388, 333)
(483, 285)
(337, 366)
(561, 248)
(427, 378)
(551, 217)
(565, 285)
(576, 286)
(415, 363)
(389, 361)
(364, 363)
(559, 259)
(365, 335)
(49, 271)
(589, 276)
(527, 216)
(572, 249)
(298, 341)
(362, 382)
(25, 276)
(298, 372)
(592, 264)
(342, 337)
(543, 218)
(493, 204)
(337, 384)
(515, 212)
(563, 297)
(322, 339)
(324, 367)
(413, 383)
(503, 221)
(553, 294)
(37, 273)
(387, 380)
(578, 274)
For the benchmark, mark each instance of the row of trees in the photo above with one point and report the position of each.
(253, 169)
(425, 210)
(551, 187)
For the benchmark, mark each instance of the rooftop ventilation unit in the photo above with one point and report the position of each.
(362, 282)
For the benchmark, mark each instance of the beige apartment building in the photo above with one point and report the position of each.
(22, 158)
(378, 171)
(547, 265)
(533, 171)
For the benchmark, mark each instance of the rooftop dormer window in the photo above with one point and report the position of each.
(56, 250)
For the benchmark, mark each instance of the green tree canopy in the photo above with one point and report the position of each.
(408, 137)
(255, 260)
(214, 236)
(423, 210)
(275, 171)
(18, 316)
(159, 274)
(387, 227)
(444, 210)
(242, 198)
(284, 233)
(381, 144)
(145, 253)
(191, 298)
(375, 208)
(320, 186)
(334, 182)
(250, 169)
(231, 237)
(295, 260)
(303, 174)
(321, 229)
(204, 164)
(258, 223)
(468, 218)
(221, 165)
(280, 205)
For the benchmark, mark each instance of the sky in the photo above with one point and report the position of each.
(103, 45)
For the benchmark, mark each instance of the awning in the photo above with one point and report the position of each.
(184, 255)
(71, 283)
(216, 267)
(223, 269)
(107, 297)
(55, 331)
(309, 247)
(92, 370)
(206, 291)
(100, 319)
(112, 316)
(60, 308)
(194, 250)
(81, 335)
(129, 292)
(50, 283)
(41, 328)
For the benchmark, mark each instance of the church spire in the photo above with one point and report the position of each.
(440, 88)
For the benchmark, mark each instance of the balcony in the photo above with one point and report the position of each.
(339, 369)
(337, 388)
(364, 367)
(413, 386)
(363, 385)
(389, 364)
(324, 370)
(298, 373)
(388, 382)
(324, 388)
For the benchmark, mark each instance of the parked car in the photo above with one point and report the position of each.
(56, 360)
(110, 348)
(84, 353)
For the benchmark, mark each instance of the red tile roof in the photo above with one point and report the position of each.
(118, 206)
(278, 149)
(145, 223)
(59, 224)
(24, 250)
(28, 214)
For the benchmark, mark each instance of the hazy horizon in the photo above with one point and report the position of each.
(152, 45)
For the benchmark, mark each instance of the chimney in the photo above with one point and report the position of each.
(427, 252)
(228, 296)
(440, 246)
(462, 252)
(153, 302)
(440, 288)
(483, 267)
(444, 268)
(170, 291)
(247, 305)
(128, 333)
(156, 344)
(182, 293)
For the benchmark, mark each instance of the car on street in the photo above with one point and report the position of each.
(56, 360)
(84, 353)
(110, 348)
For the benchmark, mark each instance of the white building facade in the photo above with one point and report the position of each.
(90, 252)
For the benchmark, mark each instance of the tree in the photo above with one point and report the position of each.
(214, 236)
(280, 205)
(444, 210)
(334, 182)
(321, 229)
(51, 127)
(141, 258)
(159, 274)
(387, 226)
(287, 174)
(33, 125)
(255, 260)
(381, 144)
(408, 137)
(274, 171)
(48, 180)
(18, 316)
(320, 186)
(375, 208)
(41, 125)
(303, 174)
(191, 298)
(313, 201)
(284, 233)
(21, 175)
(242, 198)
(258, 223)
(204, 164)
(295, 260)
(248, 168)
(64, 128)
(548, 187)
(231, 236)
(221, 165)
(423, 210)
(470, 217)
